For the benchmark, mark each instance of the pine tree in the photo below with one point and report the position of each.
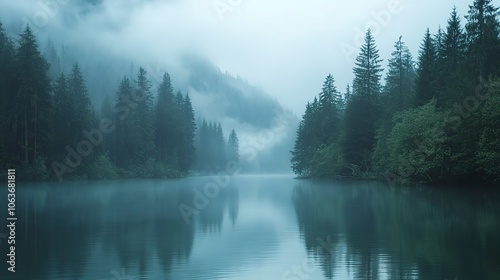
(203, 146)
(483, 39)
(122, 147)
(53, 59)
(330, 101)
(164, 119)
(141, 119)
(233, 147)
(329, 95)
(363, 110)
(80, 104)
(450, 61)
(310, 138)
(7, 53)
(32, 107)
(220, 144)
(453, 46)
(439, 38)
(178, 130)
(303, 149)
(211, 147)
(64, 113)
(347, 97)
(426, 73)
(368, 70)
(8, 146)
(189, 131)
(399, 81)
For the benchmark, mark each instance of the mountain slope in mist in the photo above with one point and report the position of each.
(265, 128)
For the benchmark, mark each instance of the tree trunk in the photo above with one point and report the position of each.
(25, 133)
(34, 144)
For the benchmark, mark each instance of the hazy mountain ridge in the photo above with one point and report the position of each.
(265, 128)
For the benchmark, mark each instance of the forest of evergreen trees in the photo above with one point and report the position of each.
(434, 121)
(214, 152)
(51, 130)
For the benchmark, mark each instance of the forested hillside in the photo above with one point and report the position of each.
(434, 120)
(51, 130)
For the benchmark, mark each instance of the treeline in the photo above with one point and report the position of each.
(51, 130)
(213, 151)
(436, 120)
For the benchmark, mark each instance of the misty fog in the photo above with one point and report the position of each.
(236, 139)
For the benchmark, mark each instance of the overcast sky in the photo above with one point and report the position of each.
(286, 47)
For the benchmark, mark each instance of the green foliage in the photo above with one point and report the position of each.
(213, 150)
(233, 147)
(425, 84)
(34, 172)
(429, 124)
(175, 127)
(140, 122)
(79, 111)
(164, 118)
(303, 149)
(359, 130)
(398, 88)
(368, 70)
(39, 121)
(415, 143)
(327, 161)
(380, 157)
(450, 62)
(363, 108)
(483, 39)
(318, 133)
(9, 148)
(122, 140)
(31, 108)
(488, 153)
(103, 168)
(186, 145)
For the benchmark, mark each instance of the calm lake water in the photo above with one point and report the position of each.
(256, 227)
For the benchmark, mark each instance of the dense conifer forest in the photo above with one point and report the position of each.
(434, 120)
(51, 130)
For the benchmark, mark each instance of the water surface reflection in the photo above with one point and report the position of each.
(257, 227)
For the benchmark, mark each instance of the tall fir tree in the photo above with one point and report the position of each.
(303, 150)
(453, 46)
(188, 157)
(164, 120)
(32, 106)
(80, 104)
(141, 119)
(347, 96)
(367, 70)
(451, 61)
(425, 84)
(8, 147)
(220, 144)
(211, 147)
(329, 95)
(483, 39)
(53, 58)
(330, 102)
(63, 116)
(363, 110)
(233, 147)
(123, 140)
(399, 81)
(203, 146)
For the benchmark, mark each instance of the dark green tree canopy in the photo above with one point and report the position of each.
(367, 70)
